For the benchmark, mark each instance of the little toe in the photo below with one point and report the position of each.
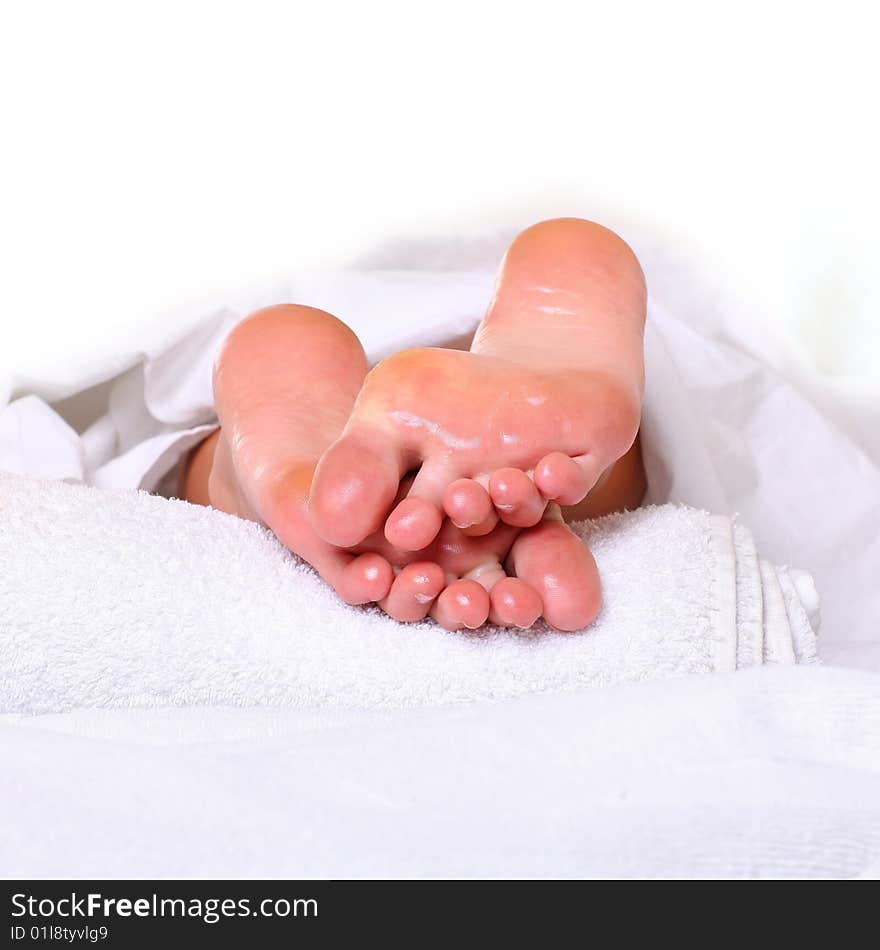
(516, 499)
(564, 479)
(514, 603)
(414, 590)
(560, 567)
(469, 507)
(365, 580)
(353, 488)
(464, 603)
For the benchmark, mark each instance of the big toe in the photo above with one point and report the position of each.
(560, 567)
(353, 488)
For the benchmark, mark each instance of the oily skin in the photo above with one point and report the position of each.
(547, 399)
(260, 465)
(435, 483)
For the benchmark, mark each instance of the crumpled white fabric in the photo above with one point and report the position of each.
(723, 429)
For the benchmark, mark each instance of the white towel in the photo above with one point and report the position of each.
(123, 599)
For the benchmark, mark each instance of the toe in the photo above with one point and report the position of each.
(357, 580)
(353, 488)
(514, 603)
(565, 480)
(413, 524)
(414, 590)
(469, 507)
(464, 603)
(560, 567)
(516, 499)
(365, 580)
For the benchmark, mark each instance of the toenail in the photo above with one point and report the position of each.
(371, 573)
(465, 524)
(463, 600)
(423, 598)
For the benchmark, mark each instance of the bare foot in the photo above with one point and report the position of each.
(285, 384)
(547, 401)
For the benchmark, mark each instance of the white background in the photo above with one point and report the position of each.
(164, 151)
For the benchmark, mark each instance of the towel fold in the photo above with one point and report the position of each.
(124, 599)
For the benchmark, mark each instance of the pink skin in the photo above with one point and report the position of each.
(469, 507)
(546, 401)
(560, 569)
(464, 603)
(260, 465)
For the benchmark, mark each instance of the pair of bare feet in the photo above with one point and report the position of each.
(433, 484)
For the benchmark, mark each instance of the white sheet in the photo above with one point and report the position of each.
(766, 773)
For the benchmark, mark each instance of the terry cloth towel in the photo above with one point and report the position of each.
(115, 598)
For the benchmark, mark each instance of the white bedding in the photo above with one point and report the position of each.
(116, 599)
(764, 773)
(772, 772)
